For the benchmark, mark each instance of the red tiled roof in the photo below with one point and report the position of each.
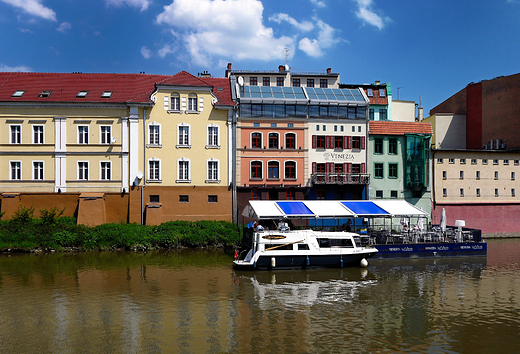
(398, 128)
(126, 88)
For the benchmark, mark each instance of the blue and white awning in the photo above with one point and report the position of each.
(282, 209)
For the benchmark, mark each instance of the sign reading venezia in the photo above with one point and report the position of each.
(332, 156)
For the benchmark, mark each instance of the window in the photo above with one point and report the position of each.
(392, 170)
(213, 175)
(440, 160)
(273, 170)
(338, 142)
(378, 146)
(274, 125)
(38, 170)
(273, 140)
(290, 170)
(16, 134)
(256, 125)
(38, 134)
(324, 128)
(393, 194)
(296, 82)
(484, 161)
(338, 168)
(517, 162)
(253, 81)
(82, 94)
(370, 92)
(444, 192)
(461, 175)
(378, 170)
(192, 102)
(212, 199)
(462, 161)
(183, 170)
(46, 93)
(506, 162)
(184, 135)
(175, 102)
(444, 175)
(392, 146)
(356, 142)
(154, 134)
(310, 82)
(106, 170)
(371, 113)
(495, 162)
(290, 141)
(473, 161)
(462, 192)
(256, 140)
(16, 170)
(382, 93)
(255, 194)
(266, 81)
(82, 134)
(324, 83)
(496, 174)
(256, 170)
(83, 171)
(320, 194)
(382, 114)
(513, 193)
(289, 194)
(320, 168)
(18, 93)
(184, 198)
(512, 176)
(290, 125)
(154, 169)
(105, 134)
(477, 191)
(477, 175)
(280, 81)
(213, 136)
(154, 198)
(106, 94)
(496, 192)
(451, 160)
(379, 194)
(320, 142)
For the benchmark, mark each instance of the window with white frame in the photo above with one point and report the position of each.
(105, 134)
(183, 170)
(175, 102)
(38, 170)
(82, 134)
(192, 102)
(213, 171)
(16, 134)
(154, 134)
(82, 171)
(105, 169)
(183, 136)
(15, 170)
(213, 136)
(154, 169)
(38, 134)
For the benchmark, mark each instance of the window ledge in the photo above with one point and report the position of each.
(153, 181)
(154, 145)
(183, 181)
(212, 181)
(173, 111)
(191, 112)
(183, 146)
(213, 147)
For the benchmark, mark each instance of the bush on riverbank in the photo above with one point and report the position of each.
(53, 231)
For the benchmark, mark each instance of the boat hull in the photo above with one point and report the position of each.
(304, 262)
(431, 250)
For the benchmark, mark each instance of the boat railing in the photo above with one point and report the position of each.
(435, 235)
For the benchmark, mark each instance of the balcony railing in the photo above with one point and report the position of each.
(340, 178)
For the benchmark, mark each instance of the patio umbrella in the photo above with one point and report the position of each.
(420, 224)
(442, 224)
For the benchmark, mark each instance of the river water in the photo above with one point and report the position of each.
(193, 302)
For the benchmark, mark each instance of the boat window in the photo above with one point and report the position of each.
(335, 242)
(303, 247)
(324, 242)
(275, 247)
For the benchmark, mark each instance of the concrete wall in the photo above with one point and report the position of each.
(403, 111)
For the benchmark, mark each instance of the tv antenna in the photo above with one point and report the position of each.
(287, 57)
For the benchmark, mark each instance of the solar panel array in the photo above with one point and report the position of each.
(298, 93)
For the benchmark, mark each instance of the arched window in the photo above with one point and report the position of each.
(192, 102)
(175, 102)
(273, 170)
(273, 140)
(256, 140)
(256, 170)
(290, 141)
(290, 170)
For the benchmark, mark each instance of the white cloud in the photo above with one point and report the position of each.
(223, 28)
(303, 26)
(20, 68)
(326, 39)
(165, 50)
(146, 53)
(318, 3)
(64, 27)
(367, 14)
(33, 7)
(142, 4)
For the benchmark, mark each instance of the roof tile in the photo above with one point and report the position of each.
(398, 128)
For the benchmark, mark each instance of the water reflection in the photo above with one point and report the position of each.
(193, 302)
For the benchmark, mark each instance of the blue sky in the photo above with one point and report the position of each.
(425, 48)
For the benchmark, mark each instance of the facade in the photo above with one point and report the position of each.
(400, 162)
(96, 145)
(380, 99)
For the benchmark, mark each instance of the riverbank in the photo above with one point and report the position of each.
(52, 232)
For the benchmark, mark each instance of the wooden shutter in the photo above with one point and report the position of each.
(314, 167)
(314, 139)
(362, 143)
(363, 168)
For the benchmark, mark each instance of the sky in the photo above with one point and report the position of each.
(427, 50)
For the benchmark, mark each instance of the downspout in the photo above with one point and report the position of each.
(144, 166)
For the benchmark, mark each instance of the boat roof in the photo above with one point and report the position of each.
(283, 209)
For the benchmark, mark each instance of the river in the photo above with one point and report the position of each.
(192, 301)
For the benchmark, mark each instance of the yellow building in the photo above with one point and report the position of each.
(110, 147)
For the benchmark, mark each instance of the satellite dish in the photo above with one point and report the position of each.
(241, 81)
(113, 140)
(139, 175)
(286, 67)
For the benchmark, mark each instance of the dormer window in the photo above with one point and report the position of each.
(370, 93)
(106, 94)
(18, 93)
(45, 94)
(82, 94)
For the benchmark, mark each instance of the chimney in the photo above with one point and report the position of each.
(205, 74)
(229, 66)
(228, 70)
(281, 68)
(378, 82)
(329, 70)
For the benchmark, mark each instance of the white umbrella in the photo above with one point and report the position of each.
(442, 224)
(420, 224)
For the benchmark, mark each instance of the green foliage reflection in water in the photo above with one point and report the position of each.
(53, 231)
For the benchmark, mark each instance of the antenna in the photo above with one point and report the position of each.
(287, 58)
